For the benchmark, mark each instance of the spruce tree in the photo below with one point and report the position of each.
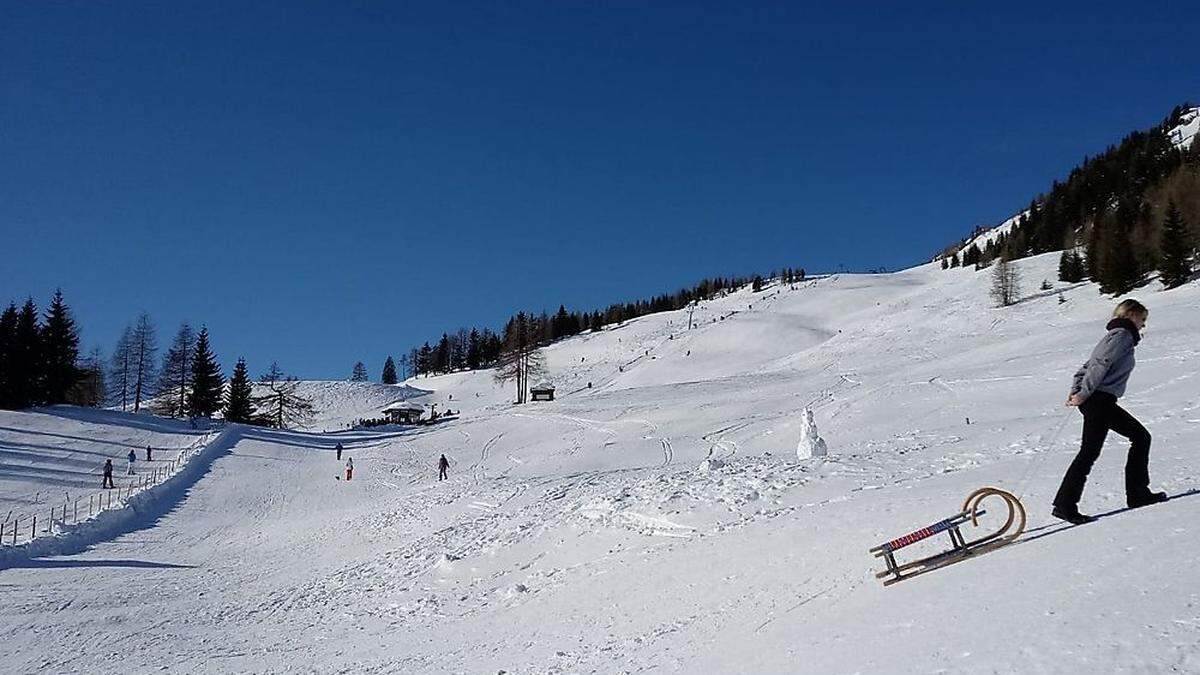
(1119, 268)
(1064, 266)
(27, 363)
(360, 373)
(239, 408)
(1175, 266)
(207, 382)
(389, 372)
(60, 351)
(8, 341)
(176, 374)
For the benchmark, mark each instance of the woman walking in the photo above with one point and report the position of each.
(1097, 386)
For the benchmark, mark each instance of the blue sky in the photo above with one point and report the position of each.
(327, 182)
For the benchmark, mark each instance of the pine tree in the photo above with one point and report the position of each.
(176, 374)
(60, 351)
(389, 372)
(425, 359)
(8, 341)
(1065, 262)
(360, 373)
(1120, 271)
(239, 407)
(28, 365)
(207, 382)
(1175, 268)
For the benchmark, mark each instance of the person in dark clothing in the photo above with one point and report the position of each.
(1097, 386)
(339, 451)
(108, 481)
(132, 459)
(147, 453)
(443, 464)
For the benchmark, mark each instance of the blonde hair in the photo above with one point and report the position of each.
(1130, 307)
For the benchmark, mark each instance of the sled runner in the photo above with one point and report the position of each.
(1012, 528)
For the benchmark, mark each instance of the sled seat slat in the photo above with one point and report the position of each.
(923, 533)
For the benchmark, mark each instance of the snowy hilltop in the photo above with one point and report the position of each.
(578, 535)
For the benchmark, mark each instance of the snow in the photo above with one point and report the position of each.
(991, 234)
(659, 520)
(1184, 134)
(811, 444)
(338, 404)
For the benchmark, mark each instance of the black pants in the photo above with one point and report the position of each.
(1100, 414)
(108, 482)
(442, 473)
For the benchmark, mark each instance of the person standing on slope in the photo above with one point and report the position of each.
(339, 451)
(108, 481)
(349, 468)
(1097, 386)
(147, 453)
(443, 464)
(132, 459)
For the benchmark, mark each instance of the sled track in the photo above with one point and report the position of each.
(484, 454)
(668, 451)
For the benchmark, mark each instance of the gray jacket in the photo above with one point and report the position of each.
(1109, 366)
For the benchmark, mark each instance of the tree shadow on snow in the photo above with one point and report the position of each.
(142, 421)
(39, 563)
(145, 511)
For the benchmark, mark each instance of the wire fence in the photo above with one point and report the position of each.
(24, 528)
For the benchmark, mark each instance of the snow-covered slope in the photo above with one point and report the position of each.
(338, 404)
(1184, 134)
(53, 453)
(588, 535)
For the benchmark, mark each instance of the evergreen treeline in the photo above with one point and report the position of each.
(1118, 216)
(39, 358)
(40, 364)
(483, 348)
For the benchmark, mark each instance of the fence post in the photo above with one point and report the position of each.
(33, 529)
(1, 533)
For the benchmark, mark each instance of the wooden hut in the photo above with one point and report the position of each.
(543, 391)
(404, 412)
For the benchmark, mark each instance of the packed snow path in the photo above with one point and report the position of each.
(583, 536)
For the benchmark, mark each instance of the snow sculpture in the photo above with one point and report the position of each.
(811, 444)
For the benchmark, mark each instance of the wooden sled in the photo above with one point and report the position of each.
(1013, 526)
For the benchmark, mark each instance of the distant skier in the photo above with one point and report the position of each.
(1097, 386)
(338, 447)
(349, 468)
(147, 453)
(132, 459)
(443, 464)
(108, 481)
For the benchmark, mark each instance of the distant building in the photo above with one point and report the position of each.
(543, 391)
(404, 412)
